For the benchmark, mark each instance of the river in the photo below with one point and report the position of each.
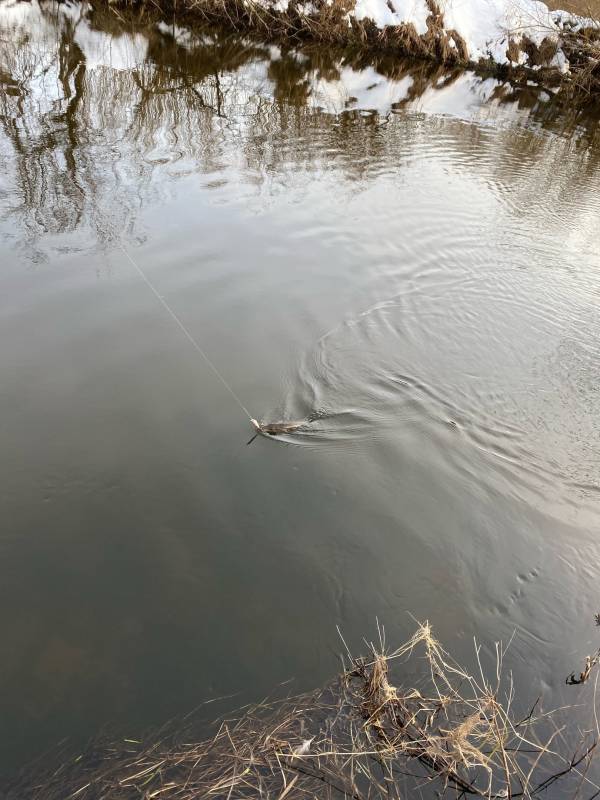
(406, 258)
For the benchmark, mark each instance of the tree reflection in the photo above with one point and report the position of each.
(82, 142)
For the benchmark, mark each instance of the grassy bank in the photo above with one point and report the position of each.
(555, 49)
(442, 733)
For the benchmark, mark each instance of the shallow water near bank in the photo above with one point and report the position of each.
(407, 257)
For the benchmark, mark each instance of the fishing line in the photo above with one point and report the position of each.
(189, 336)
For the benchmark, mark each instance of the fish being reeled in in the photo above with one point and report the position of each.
(275, 428)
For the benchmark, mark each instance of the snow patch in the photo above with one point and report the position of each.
(404, 11)
(308, 9)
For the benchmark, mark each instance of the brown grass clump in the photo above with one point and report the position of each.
(582, 48)
(361, 738)
(325, 21)
(539, 55)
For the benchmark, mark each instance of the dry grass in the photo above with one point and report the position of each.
(328, 22)
(447, 733)
(582, 48)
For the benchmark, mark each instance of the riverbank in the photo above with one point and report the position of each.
(514, 40)
(448, 733)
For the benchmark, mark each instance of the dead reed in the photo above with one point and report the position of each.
(447, 733)
(328, 22)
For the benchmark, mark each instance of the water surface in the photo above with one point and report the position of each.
(407, 257)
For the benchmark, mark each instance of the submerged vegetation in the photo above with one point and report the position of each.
(443, 732)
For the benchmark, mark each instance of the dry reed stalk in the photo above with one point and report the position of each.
(361, 738)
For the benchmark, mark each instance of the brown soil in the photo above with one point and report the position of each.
(586, 8)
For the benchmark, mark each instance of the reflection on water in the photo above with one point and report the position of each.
(171, 100)
(404, 256)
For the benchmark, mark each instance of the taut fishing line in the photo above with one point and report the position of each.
(189, 336)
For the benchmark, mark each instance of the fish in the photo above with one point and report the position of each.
(275, 428)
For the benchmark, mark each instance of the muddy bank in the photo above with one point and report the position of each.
(523, 41)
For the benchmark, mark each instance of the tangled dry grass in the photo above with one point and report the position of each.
(447, 733)
(328, 22)
(583, 51)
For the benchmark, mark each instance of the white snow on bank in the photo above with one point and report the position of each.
(307, 8)
(487, 27)
(573, 22)
(415, 11)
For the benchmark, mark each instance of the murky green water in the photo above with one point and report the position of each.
(410, 258)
